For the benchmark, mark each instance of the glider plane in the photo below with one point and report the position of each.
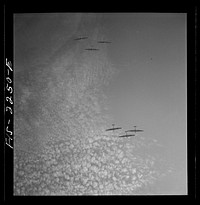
(114, 128)
(135, 130)
(92, 49)
(104, 42)
(126, 135)
(81, 38)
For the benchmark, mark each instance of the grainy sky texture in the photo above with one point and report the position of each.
(64, 92)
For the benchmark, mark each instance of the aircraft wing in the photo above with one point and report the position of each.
(81, 38)
(116, 128)
(92, 49)
(104, 42)
(135, 130)
(126, 135)
(109, 129)
(122, 136)
(76, 39)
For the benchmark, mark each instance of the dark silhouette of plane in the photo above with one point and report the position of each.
(135, 130)
(104, 42)
(114, 128)
(81, 38)
(126, 135)
(92, 49)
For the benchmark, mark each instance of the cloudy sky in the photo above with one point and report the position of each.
(149, 52)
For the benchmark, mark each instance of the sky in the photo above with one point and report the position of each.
(149, 50)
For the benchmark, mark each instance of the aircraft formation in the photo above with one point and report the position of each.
(126, 135)
(91, 48)
(97, 49)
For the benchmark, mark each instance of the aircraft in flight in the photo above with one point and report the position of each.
(81, 38)
(92, 49)
(114, 128)
(126, 135)
(135, 130)
(104, 42)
